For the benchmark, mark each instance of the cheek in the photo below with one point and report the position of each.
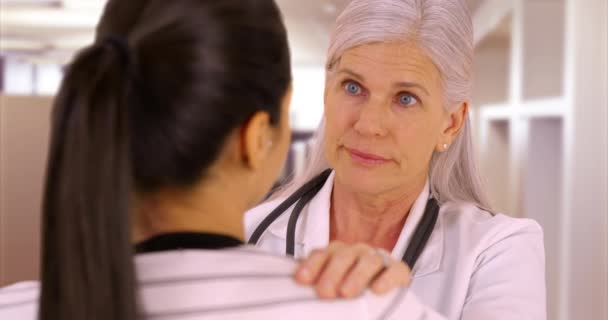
(416, 140)
(339, 117)
(334, 128)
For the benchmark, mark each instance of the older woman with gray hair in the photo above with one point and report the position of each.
(392, 174)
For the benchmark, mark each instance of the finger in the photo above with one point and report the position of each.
(309, 268)
(367, 268)
(396, 275)
(332, 276)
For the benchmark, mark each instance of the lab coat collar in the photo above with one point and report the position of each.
(430, 258)
(312, 230)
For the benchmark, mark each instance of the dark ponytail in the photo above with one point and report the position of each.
(87, 255)
(148, 106)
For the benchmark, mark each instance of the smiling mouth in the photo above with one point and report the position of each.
(366, 158)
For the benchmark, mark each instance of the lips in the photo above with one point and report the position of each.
(366, 158)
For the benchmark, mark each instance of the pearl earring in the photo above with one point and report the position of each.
(445, 146)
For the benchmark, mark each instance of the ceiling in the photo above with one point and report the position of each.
(309, 24)
(52, 30)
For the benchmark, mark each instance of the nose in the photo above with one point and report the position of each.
(372, 120)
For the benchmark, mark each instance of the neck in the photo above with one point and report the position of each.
(205, 209)
(374, 219)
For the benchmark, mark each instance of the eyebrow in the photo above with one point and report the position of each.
(403, 84)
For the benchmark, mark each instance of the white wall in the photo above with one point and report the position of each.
(585, 224)
(544, 32)
(18, 77)
(26, 78)
(491, 71)
(549, 142)
(307, 99)
(48, 78)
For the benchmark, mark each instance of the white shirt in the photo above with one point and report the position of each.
(239, 283)
(475, 266)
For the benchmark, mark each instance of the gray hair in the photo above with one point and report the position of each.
(444, 30)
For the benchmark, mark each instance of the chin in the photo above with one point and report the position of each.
(365, 180)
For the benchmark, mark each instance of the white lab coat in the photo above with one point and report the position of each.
(475, 266)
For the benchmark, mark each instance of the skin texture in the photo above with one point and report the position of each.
(385, 118)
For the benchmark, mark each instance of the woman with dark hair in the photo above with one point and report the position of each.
(165, 131)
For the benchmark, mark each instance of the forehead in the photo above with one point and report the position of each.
(396, 61)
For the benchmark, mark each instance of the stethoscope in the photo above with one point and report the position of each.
(305, 193)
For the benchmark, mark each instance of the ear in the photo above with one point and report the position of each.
(453, 123)
(256, 139)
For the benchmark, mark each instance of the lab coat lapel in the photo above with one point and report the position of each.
(431, 256)
(312, 230)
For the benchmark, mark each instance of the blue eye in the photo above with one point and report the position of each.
(407, 99)
(352, 88)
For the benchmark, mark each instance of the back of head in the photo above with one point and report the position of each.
(147, 106)
(443, 29)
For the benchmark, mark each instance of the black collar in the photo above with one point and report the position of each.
(187, 240)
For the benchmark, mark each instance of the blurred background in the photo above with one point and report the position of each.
(539, 109)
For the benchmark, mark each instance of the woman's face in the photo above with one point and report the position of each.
(384, 116)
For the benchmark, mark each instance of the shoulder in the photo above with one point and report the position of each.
(229, 261)
(499, 261)
(482, 228)
(20, 286)
(19, 301)
(20, 291)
